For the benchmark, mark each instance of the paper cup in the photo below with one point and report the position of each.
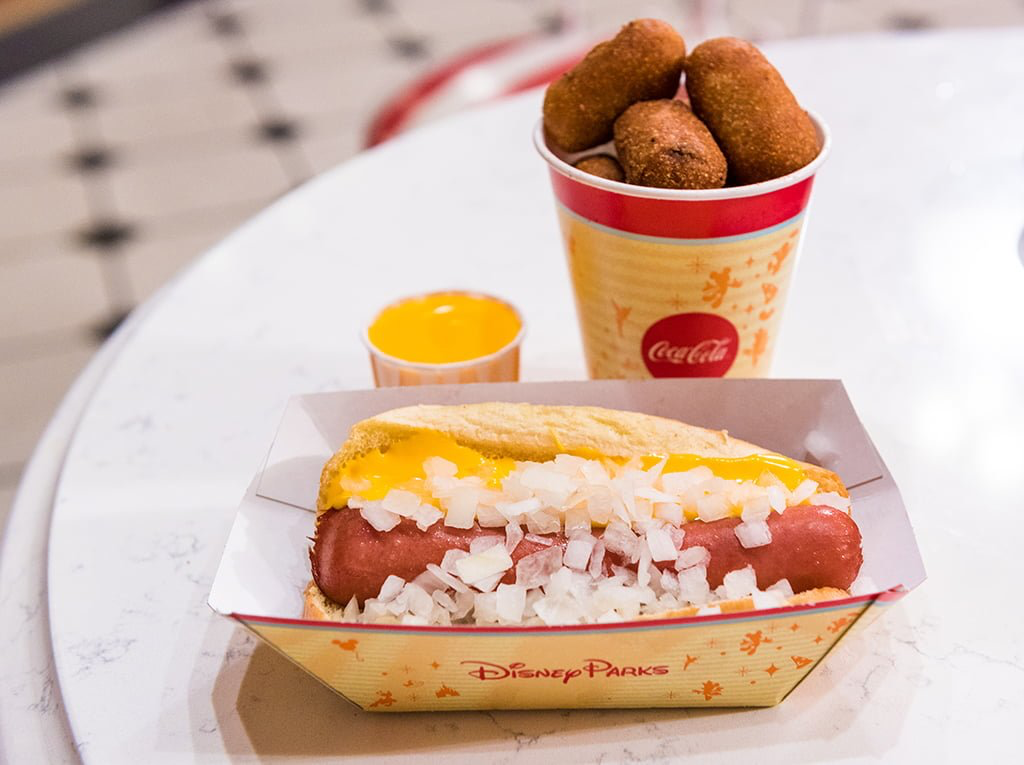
(680, 283)
(500, 366)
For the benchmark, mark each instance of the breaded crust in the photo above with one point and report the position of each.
(663, 144)
(643, 61)
(752, 114)
(603, 166)
(538, 432)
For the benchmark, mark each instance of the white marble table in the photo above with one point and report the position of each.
(910, 289)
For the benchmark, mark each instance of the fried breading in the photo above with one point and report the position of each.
(662, 143)
(642, 62)
(603, 166)
(750, 111)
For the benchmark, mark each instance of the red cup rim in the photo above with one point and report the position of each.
(691, 195)
(424, 366)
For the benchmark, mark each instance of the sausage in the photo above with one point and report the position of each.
(812, 546)
(350, 557)
(643, 61)
(662, 144)
(750, 111)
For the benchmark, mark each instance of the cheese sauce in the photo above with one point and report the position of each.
(372, 475)
(444, 328)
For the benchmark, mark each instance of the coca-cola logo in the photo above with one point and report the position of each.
(690, 345)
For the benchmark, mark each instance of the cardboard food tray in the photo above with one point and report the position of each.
(747, 659)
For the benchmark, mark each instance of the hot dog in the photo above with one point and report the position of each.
(351, 559)
(420, 517)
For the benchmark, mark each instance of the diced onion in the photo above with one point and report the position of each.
(644, 514)
(510, 602)
(577, 551)
(756, 509)
(670, 512)
(783, 588)
(753, 534)
(660, 545)
(513, 536)
(535, 570)
(439, 466)
(739, 583)
(474, 568)
(596, 567)
(802, 492)
(420, 603)
(399, 502)
(379, 518)
(831, 499)
(692, 556)
(426, 516)
(460, 509)
(451, 581)
(390, 589)
(768, 599)
(451, 558)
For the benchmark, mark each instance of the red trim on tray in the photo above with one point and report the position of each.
(545, 75)
(884, 598)
(681, 218)
(392, 117)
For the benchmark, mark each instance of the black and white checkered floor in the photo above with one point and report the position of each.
(123, 161)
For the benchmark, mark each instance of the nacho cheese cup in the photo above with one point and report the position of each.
(679, 283)
(500, 365)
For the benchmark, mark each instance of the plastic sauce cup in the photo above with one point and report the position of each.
(679, 283)
(445, 337)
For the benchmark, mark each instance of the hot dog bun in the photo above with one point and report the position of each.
(538, 432)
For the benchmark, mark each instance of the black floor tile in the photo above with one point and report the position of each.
(91, 160)
(108, 326)
(107, 235)
(248, 71)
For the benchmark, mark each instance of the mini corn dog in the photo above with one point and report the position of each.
(663, 144)
(603, 166)
(642, 62)
(750, 111)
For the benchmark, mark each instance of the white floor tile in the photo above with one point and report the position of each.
(327, 84)
(33, 124)
(44, 245)
(46, 293)
(30, 391)
(838, 17)
(40, 203)
(757, 20)
(33, 92)
(172, 42)
(143, 118)
(151, 186)
(327, 144)
(310, 27)
(156, 259)
(26, 137)
(222, 218)
(438, 20)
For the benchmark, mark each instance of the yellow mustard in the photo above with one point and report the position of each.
(372, 475)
